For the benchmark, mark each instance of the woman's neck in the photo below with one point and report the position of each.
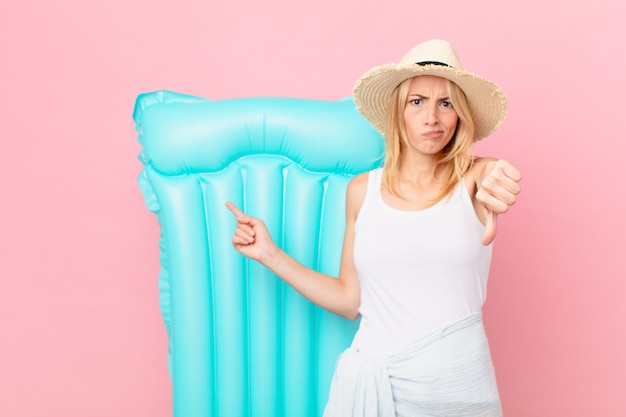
(421, 171)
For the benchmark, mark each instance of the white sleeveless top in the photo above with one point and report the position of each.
(418, 270)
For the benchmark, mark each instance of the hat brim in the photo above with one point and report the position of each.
(373, 90)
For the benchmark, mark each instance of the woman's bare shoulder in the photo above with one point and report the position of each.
(359, 180)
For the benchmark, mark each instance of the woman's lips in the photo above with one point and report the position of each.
(433, 133)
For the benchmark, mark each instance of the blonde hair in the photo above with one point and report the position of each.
(456, 158)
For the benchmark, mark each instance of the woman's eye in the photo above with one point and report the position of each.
(447, 104)
(416, 101)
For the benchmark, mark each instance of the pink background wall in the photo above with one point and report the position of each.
(80, 326)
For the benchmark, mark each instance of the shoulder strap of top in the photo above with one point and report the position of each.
(373, 185)
(374, 180)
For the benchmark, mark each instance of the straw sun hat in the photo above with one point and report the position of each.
(372, 92)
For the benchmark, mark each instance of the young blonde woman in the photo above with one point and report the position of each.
(417, 245)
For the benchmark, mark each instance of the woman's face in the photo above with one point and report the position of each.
(429, 117)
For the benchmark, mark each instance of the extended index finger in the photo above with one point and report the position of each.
(235, 210)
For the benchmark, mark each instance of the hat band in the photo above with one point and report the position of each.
(423, 63)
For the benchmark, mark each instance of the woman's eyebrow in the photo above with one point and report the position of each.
(426, 97)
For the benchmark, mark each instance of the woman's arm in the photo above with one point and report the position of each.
(494, 186)
(339, 295)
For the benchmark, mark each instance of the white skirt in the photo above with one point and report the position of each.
(448, 373)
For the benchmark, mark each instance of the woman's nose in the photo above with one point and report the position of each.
(432, 115)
